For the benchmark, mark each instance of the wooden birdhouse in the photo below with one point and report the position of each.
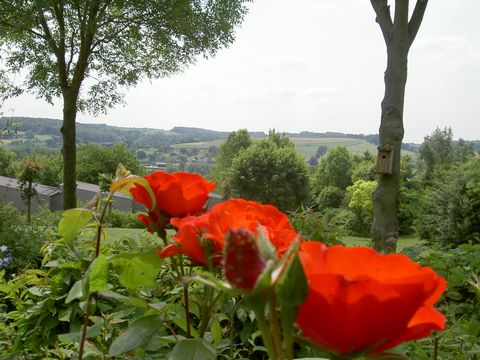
(385, 159)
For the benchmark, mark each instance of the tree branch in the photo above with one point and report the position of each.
(48, 35)
(416, 19)
(384, 18)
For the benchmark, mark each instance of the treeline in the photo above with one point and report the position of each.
(141, 138)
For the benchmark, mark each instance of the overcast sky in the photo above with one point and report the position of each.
(314, 65)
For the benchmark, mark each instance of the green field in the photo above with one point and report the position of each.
(306, 146)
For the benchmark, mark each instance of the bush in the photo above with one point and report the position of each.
(461, 303)
(329, 197)
(21, 242)
(312, 225)
(125, 219)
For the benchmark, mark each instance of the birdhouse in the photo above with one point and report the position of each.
(385, 159)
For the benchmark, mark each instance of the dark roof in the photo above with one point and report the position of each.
(41, 189)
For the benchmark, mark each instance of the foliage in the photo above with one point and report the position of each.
(335, 169)
(51, 170)
(23, 241)
(360, 200)
(121, 37)
(271, 174)
(93, 160)
(125, 219)
(365, 169)
(329, 197)
(312, 225)
(6, 162)
(460, 266)
(449, 208)
(438, 150)
(236, 142)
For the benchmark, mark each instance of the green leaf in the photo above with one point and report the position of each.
(216, 331)
(137, 270)
(138, 334)
(137, 302)
(79, 290)
(292, 286)
(192, 349)
(98, 274)
(292, 290)
(72, 221)
(92, 331)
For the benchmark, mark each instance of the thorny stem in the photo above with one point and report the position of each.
(90, 295)
(265, 331)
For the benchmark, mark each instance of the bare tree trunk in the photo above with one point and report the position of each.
(385, 225)
(398, 34)
(69, 150)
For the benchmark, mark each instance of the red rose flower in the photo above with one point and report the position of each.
(177, 194)
(360, 300)
(210, 229)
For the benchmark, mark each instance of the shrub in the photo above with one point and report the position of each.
(312, 225)
(125, 219)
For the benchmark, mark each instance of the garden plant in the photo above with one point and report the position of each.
(230, 282)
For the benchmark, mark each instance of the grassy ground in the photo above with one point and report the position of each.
(405, 241)
(118, 234)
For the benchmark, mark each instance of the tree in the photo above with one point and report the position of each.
(236, 142)
(438, 150)
(271, 174)
(30, 173)
(113, 44)
(335, 169)
(96, 159)
(399, 34)
(360, 201)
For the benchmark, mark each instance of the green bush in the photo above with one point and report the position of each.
(461, 302)
(312, 225)
(22, 240)
(329, 197)
(125, 219)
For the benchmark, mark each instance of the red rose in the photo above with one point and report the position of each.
(210, 228)
(360, 300)
(177, 194)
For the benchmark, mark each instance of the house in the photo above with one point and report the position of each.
(48, 197)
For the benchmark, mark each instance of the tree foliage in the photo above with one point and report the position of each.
(271, 172)
(6, 162)
(335, 169)
(96, 159)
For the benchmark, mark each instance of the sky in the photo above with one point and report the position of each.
(312, 65)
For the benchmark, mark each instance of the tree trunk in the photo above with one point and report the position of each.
(29, 203)
(69, 150)
(385, 226)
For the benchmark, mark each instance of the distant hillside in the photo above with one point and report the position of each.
(47, 131)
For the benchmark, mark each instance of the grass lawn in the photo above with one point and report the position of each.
(118, 234)
(405, 241)
(115, 235)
